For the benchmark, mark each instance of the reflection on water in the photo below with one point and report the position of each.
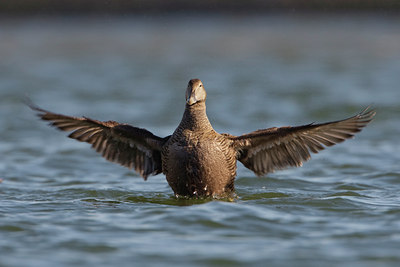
(62, 204)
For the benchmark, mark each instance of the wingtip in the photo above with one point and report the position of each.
(367, 114)
(27, 101)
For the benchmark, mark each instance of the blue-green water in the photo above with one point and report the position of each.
(61, 204)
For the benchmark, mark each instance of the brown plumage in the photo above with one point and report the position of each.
(198, 161)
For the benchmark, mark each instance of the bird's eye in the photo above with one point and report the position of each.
(201, 85)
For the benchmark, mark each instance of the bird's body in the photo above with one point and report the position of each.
(198, 164)
(198, 161)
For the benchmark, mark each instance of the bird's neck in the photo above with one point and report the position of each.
(195, 118)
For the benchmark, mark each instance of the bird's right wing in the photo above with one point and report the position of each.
(129, 146)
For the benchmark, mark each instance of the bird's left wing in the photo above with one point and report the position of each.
(264, 151)
(129, 146)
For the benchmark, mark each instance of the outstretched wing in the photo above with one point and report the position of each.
(129, 146)
(267, 150)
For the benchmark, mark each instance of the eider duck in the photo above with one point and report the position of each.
(196, 160)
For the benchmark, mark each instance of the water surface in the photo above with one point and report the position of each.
(61, 204)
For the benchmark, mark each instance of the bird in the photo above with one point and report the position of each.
(198, 161)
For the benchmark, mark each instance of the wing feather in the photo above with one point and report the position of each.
(267, 150)
(129, 146)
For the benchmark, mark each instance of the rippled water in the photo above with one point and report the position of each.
(61, 204)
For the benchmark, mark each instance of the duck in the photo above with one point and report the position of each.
(196, 160)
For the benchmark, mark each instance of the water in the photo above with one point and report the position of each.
(61, 204)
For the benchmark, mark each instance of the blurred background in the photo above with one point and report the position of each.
(263, 64)
(26, 7)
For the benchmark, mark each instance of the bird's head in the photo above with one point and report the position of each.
(195, 92)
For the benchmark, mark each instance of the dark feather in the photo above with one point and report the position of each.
(264, 151)
(129, 146)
